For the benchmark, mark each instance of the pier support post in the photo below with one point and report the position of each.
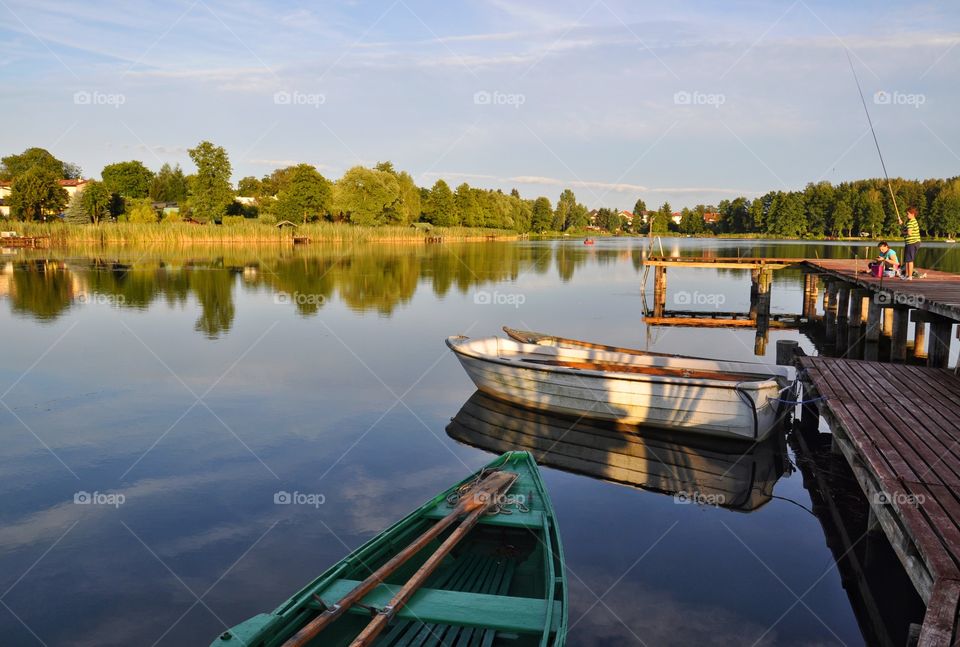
(810, 283)
(901, 325)
(874, 314)
(858, 308)
(919, 339)
(843, 300)
(830, 311)
(938, 355)
(659, 290)
(888, 322)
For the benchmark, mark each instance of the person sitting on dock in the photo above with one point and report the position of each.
(911, 240)
(887, 259)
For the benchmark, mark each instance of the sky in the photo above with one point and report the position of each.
(686, 102)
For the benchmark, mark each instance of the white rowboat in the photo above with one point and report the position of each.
(715, 397)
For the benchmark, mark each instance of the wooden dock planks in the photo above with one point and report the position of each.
(899, 427)
(939, 292)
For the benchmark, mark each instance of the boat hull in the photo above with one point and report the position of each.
(746, 411)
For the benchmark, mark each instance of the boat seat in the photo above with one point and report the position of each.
(531, 519)
(440, 607)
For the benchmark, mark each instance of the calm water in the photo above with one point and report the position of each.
(187, 388)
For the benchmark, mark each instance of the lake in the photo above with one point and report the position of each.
(155, 402)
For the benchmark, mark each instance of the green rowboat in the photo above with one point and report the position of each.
(494, 575)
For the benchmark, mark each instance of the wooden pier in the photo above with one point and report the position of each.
(854, 302)
(898, 427)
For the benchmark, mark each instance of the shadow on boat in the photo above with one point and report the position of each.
(728, 473)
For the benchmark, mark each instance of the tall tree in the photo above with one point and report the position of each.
(169, 185)
(127, 179)
(365, 195)
(468, 211)
(566, 203)
(441, 209)
(249, 187)
(306, 195)
(542, 215)
(90, 204)
(660, 221)
(639, 211)
(786, 217)
(13, 166)
(35, 193)
(211, 188)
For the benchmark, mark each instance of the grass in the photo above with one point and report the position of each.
(245, 232)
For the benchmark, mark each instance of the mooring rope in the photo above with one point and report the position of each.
(500, 506)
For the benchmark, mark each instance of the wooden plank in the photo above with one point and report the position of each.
(940, 621)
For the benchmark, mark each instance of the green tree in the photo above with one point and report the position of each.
(440, 208)
(870, 215)
(578, 217)
(786, 216)
(561, 215)
(35, 193)
(13, 166)
(945, 210)
(541, 215)
(211, 190)
(141, 211)
(468, 212)
(691, 222)
(307, 194)
(128, 179)
(818, 202)
(639, 211)
(841, 219)
(365, 195)
(90, 204)
(169, 185)
(660, 221)
(249, 187)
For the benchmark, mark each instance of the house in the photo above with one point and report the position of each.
(711, 217)
(593, 216)
(627, 215)
(676, 217)
(71, 186)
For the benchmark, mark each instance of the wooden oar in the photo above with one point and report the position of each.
(386, 614)
(475, 502)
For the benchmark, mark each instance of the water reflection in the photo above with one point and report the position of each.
(734, 475)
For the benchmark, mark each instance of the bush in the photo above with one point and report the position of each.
(233, 220)
(141, 211)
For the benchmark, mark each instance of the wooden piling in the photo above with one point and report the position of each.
(888, 322)
(843, 300)
(874, 314)
(810, 283)
(900, 325)
(938, 354)
(857, 315)
(919, 340)
(659, 290)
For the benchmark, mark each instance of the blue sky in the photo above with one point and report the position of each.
(688, 102)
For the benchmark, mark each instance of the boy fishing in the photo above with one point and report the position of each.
(911, 240)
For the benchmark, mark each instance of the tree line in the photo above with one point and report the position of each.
(383, 195)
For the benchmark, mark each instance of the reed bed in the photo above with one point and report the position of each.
(121, 233)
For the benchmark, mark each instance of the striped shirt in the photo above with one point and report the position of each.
(911, 231)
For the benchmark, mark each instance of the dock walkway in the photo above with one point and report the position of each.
(899, 429)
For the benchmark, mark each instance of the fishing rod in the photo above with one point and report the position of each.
(874, 132)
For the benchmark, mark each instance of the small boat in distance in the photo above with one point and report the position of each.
(454, 571)
(716, 397)
(949, 240)
(693, 468)
(588, 241)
